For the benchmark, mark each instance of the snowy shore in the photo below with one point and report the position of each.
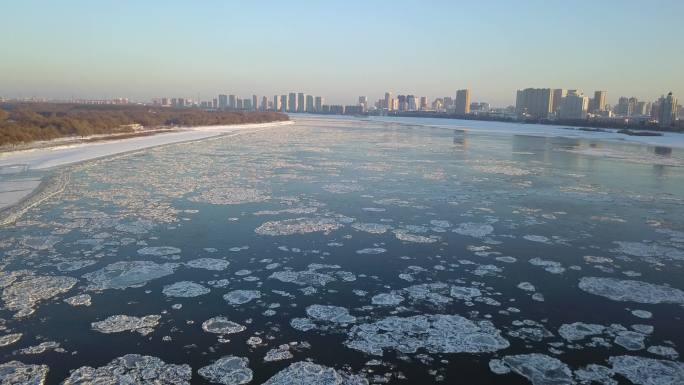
(15, 185)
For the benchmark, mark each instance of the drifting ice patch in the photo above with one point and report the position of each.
(648, 371)
(15, 372)
(387, 299)
(9, 339)
(371, 250)
(221, 325)
(185, 289)
(552, 267)
(239, 297)
(540, 369)
(124, 274)
(297, 226)
(631, 291)
(79, 300)
(579, 330)
(121, 323)
(230, 196)
(477, 230)
(159, 251)
(303, 278)
(132, 369)
(402, 235)
(436, 333)
(213, 264)
(330, 313)
(372, 228)
(228, 370)
(280, 353)
(24, 295)
(307, 373)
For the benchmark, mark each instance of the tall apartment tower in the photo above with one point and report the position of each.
(292, 102)
(574, 106)
(301, 103)
(254, 103)
(535, 102)
(462, 103)
(310, 103)
(283, 103)
(599, 101)
(223, 101)
(232, 102)
(318, 104)
(558, 95)
(668, 111)
(388, 101)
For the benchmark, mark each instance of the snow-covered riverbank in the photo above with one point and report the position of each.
(14, 185)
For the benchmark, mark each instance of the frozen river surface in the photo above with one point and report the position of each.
(341, 251)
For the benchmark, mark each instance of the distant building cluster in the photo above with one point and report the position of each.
(561, 104)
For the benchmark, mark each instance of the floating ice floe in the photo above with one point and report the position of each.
(501, 168)
(303, 278)
(185, 289)
(132, 369)
(79, 300)
(436, 333)
(42, 348)
(330, 313)
(22, 296)
(405, 236)
(539, 369)
(228, 370)
(648, 371)
(18, 373)
(526, 286)
(631, 291)
(593, 373)
(9, 339)
(372, 228)
(465, 293)
(159, 251)
(342, 188)
(41, 242)
(230, 196)
(663, 351)
(121, 323)
(298, 226)
(75, 265)
(308, 373)
(125, 274)
(213, 264)
(477, 230)
(579, 330)
(371, 250)
(651, 249)
(280, 353)
(552, 267)
(221, 325)
(239, 297)
(538, 239)
(387, 299)
(644, 314)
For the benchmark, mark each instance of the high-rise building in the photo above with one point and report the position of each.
(599, 101)
(641, 108)
(309, 103)
(240, 103)
(534, 102)
(301, 103)
(318, 104)
(283, 104)
(411, 101)
(363, 102)
(276, 103)
(264, 103)
(423, 103)
(574, 106)
(402, 103)
(232, 102)
(223, 101)
(292, 102)
(388, 101)
(558, 95)
(254, 105)
(462, 103)
(668, 111)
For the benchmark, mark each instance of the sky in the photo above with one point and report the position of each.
(145, 49)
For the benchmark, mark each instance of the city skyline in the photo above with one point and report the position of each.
(218, 47)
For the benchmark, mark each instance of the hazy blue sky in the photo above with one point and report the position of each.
(340, 49)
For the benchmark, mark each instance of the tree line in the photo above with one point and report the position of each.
(28, 122)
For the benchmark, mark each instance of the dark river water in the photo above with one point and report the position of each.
(344, 251)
